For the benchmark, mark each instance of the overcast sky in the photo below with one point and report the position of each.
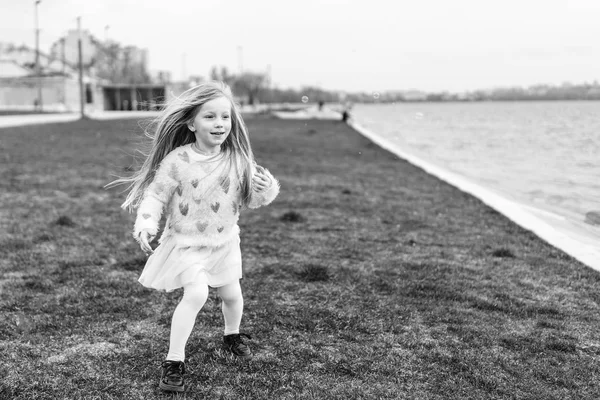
(366, 45)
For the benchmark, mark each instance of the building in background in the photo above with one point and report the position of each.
(11, 68)
(58, 81)
(114, 77)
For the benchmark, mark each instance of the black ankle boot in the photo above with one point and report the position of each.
(171, 378)
(235, 344)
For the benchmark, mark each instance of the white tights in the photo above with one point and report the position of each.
(184, 317)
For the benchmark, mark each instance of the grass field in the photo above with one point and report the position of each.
(365, 279)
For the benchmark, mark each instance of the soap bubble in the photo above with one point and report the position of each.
(305, 99)
(419, 115)
(375, 95)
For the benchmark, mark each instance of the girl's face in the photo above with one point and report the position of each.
(212, 125)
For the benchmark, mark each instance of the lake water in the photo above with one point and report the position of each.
(544, 156)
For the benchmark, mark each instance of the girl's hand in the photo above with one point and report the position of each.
(145, 239)
(260, 181)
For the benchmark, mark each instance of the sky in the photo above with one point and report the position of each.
(360, 45)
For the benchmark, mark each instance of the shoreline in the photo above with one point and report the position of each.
(524, 216)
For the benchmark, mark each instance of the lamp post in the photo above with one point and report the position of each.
(62, 53)
(240, 50)
(37, 58)
(80, 62)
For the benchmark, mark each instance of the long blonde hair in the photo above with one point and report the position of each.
(172, 131)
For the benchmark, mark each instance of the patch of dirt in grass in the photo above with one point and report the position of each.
(314, 273)
(503, 253)
(292, 216)
(64, 220)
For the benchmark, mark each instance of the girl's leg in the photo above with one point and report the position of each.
(184, 318)
(232, 306)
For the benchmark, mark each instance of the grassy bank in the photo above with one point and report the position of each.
(366, 278)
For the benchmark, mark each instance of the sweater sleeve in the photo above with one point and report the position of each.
(156, 197)
(268, 195)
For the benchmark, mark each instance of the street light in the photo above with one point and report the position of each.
(80, 64)
(240, 50)
(37, 58)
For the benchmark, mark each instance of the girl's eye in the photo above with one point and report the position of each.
(209, 116)
(226, 116)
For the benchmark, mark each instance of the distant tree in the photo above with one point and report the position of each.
(214, 74)
(133, 66)
(222, 74)
(90, 47)
(196, 79)
(226, 76)
(316, 94)
(435, 97)
(109, 64)
(250, 84)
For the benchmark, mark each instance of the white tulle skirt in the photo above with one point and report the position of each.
(171, 267)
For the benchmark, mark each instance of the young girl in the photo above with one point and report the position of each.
(200, 172)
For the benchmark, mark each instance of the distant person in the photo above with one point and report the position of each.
(321, 104)
(200, 172)
(346, 112)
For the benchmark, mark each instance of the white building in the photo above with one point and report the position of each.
(58, 83)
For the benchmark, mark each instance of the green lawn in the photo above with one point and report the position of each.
(365, 279)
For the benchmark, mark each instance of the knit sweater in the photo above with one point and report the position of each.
(202, 202)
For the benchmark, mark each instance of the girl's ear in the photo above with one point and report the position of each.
(190, 126)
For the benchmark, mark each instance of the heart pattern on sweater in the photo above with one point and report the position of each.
(179, 190)
(183, 208)
(197, 201)
(146, 216)
(201, 226)
(159, 188)
(234, 207)
(220, 229)
(184, 156)
(174, 172)
(207, 168)
(195, 183)
(215, 207)
(225, 184)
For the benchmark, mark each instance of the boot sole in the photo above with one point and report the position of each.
(171, 388)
